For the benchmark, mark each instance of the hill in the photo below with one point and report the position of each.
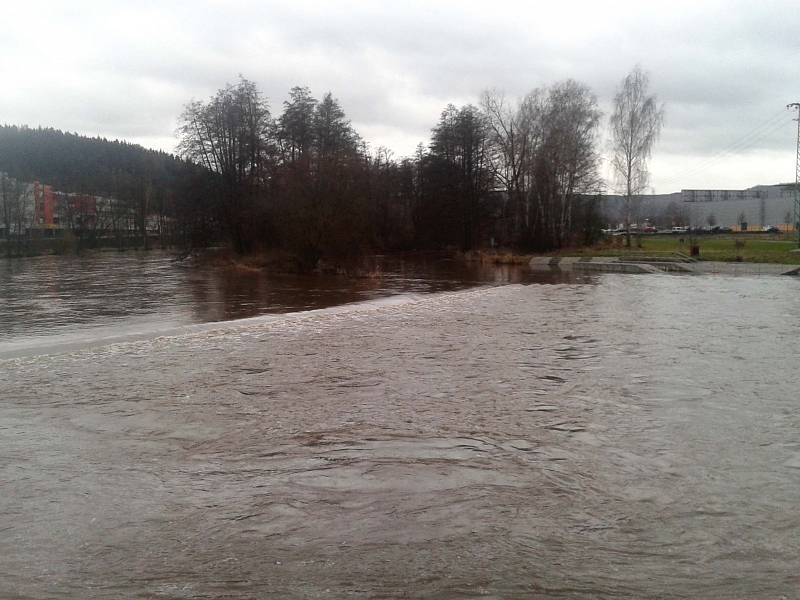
(97, 166)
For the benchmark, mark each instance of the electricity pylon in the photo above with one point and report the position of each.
(796, 106)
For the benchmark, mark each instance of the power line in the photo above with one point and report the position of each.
(774, 123)
(724, 155)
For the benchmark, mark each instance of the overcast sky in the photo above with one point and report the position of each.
(123, 69)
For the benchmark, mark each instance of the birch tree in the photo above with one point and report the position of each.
(635, 126)
(563, 164)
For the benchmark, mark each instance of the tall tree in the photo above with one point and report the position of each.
(543, 156)
(294, 219)
(459, 159)
(323, 176)
(511, 143)
(563, 162)
(230, 135)
(635, 126)
(340, 189)
(296, 125)
(334, 137)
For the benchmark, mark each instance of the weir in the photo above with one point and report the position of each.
(657, 264)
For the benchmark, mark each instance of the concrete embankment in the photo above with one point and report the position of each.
(640, 265)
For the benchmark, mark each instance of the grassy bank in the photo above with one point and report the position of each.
(757, 248)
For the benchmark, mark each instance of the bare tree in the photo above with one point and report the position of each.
(563, 160)
(229, 135)
(7, 203)
(511, 139)
(542, 153)
(635, 125)
(16, 212)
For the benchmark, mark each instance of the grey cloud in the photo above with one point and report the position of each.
(125, 69)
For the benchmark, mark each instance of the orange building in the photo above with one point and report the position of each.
(45, 211)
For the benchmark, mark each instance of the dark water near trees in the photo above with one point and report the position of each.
(617, 437)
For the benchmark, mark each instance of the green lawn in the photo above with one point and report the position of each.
(764, 248)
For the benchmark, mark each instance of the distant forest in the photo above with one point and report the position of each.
(521, 174)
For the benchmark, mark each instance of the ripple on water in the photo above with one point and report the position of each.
(441, 447)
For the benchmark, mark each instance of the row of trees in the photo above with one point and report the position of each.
(544, 157)
(521, 173)
(302, 181)
(517, 173)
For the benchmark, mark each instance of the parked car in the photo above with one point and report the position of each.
(771, 229)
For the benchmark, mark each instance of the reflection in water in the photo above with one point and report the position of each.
(631, 438)
(52, 300)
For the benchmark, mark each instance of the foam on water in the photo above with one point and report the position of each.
(93, 337)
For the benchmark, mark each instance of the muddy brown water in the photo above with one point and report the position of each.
(56, 302)
(615, 437)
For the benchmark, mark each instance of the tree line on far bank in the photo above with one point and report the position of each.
(520, 173)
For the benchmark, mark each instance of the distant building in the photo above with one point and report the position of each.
(41, 211)
(78, 211)
(44, 207)
(55, 212)
(758, 207)
(663, 210)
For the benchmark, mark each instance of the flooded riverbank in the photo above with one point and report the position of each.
(625, 437)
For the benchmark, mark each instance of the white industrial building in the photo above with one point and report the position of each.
(760, 206)
(757, 207)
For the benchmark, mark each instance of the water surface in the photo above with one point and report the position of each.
(49, 303)
(624, 437)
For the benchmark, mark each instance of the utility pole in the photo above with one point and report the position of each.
(796, 106)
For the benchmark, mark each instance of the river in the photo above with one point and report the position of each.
(51, 303)
(618, 436)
